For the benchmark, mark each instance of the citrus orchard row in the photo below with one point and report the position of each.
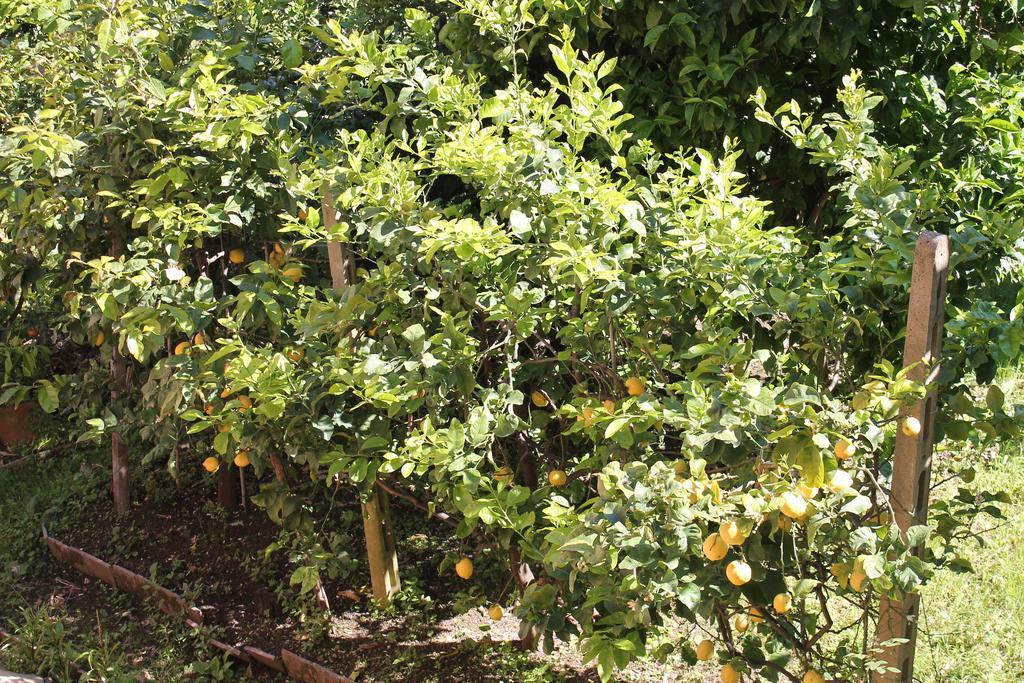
(623, 307)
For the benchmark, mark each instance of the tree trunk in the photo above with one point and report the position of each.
(227, 487)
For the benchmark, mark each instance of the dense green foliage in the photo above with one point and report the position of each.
(719, 202)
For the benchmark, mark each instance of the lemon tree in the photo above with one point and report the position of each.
(644, 337)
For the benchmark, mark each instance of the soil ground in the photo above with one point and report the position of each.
(217, 560)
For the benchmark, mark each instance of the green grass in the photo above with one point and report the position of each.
(43, 490)
(973, 624)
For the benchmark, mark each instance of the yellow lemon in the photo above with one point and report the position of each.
(857, 579)
(294, 273)
(911, 426)
(715, 548)
(738, 572)
(236, 256)
(806, 491)
(608, 405)
(181, 348)
(557, 478)
(845, 450)
(731, 533)
(840, 481)
(793, 505)
(813, 676)
(245, 402)
(635, 386)
(199, 339)
(211, 464)
(495, 612)
(101, 337)
(782, 603)
(225, 392)
(539, 399)
(741, 623)
(705, 650)
(242, 458)
(464, 568)
(729, 674)
(756, 615)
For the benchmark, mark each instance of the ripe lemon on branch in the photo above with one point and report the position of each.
(738, 572)
(635, 386)
(464, 568)
(715, 548)
(911, 426)
(731, 533)
(729, 674)
(844, 450)
(793, 505)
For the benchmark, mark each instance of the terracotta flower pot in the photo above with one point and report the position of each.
(16, 424)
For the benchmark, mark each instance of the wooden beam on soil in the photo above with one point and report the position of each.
(912, 461)
(302, 669)
(263, 658)
(289, 663)
(377, 527)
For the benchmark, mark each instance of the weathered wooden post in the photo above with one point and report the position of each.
(912, 461)
(377, 527)
(120, 383)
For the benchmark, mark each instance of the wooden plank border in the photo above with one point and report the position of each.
(294, 666)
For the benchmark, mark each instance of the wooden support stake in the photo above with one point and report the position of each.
(119, 384)
(912, 461)
(377, 527)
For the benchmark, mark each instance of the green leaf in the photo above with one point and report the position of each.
(291, 53)
(615, 425)
(811, 464)
(995, 399)
(492, 108)
(48, 397)
(104, 34)
(874, 566)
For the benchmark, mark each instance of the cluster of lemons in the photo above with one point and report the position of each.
(278, 259)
